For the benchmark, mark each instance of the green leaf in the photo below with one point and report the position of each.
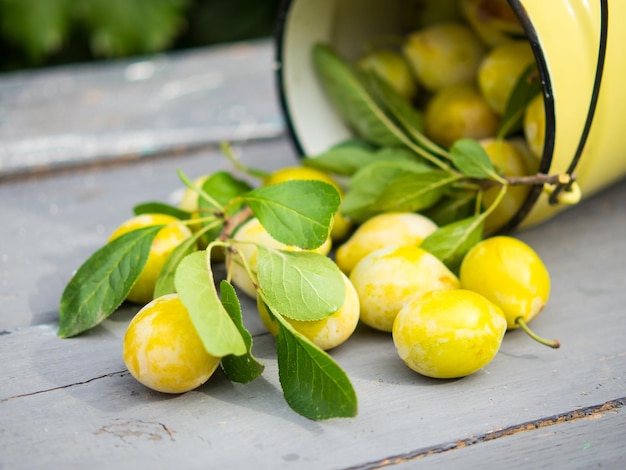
(528, 85)
(102, 283)
(400, 108)
(411, 193)
(454, 205)
(297, 213)
(301, 285)
(165, 281)
(347, 160)
(161, 208)
(352, 101)
(344, 160)
(355, 142)
(410, 119)
(451, 242)
(313, 383)
(196, 288)
(223, 188)
(370, 182)
(470, 158)
(196, 187)
(244, 368)
(395, 154)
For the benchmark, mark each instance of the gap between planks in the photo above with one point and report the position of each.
(587, 412)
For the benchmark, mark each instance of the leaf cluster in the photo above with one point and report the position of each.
(391, 165)
(297, 284)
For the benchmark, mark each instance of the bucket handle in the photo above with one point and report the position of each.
(604, 23)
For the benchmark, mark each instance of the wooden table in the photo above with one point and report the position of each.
(81, 145)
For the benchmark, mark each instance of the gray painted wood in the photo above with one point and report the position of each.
(84, 402)
(71, 403)
(129, 109)
(579, 444)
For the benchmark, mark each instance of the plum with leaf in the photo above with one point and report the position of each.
(189, 199)
(341, 225)
(293, 173)
(531, 160)
(244, 245)
(448, 334)
(508, 160)
(494, 21)
(167, 239)
(387, 278)
(444, 54)
(326, 333)
(392, 67)
(162, 349)
(205, 199)
(189, 203)
(500, 70)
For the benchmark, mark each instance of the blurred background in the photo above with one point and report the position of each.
(40, 33)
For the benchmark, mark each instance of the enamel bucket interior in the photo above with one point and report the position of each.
(578, 56)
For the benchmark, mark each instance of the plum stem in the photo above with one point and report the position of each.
(233, 222)
(228, 153)
(554, 343)
(530, 180)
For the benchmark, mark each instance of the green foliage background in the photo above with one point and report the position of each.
(36, 33)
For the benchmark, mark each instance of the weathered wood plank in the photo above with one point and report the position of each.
(136, 107)
(86, 404)
(582, 443)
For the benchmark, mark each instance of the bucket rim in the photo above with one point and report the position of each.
(279, 78)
